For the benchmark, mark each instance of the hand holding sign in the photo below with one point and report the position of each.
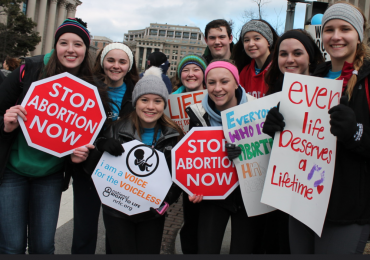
(274, 122)
(80, 154)
(343, 120)
(11, 118)
(111, 146)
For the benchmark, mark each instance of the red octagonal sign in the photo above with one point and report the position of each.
(200, 164)
(63, 113)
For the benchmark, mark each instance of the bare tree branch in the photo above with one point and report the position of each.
(260, 4)
(278, 23)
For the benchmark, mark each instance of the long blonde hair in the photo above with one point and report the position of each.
(362, 53)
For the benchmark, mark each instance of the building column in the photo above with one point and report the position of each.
(51, 25)
(367, 8)
(71, 11)
(41, 26)
(61, 12)
(143, 64)
(137, 52)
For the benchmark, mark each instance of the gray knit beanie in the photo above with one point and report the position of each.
(150, 83)
(346, 13)
(260, 27)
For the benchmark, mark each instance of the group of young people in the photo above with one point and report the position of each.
(31, 181)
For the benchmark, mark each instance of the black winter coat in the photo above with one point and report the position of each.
(350, 196)
(124, 131)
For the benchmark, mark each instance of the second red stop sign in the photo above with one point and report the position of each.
(200, 164)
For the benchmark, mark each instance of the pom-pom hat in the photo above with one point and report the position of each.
(151, 83)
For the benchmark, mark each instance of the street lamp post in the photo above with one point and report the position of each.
(290, 11)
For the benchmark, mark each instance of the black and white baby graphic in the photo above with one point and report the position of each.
(142, 160)
(143, 165)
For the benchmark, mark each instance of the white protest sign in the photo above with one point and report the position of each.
(243, 127)
(177, 103)
(301, 168)
(133, 182)
(316, 34)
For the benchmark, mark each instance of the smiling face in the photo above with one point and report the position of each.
(116, 64)
(256, 46)
(340, 41)
(293, 57)
(218, 42)
(221, 86)
(149, 109)
(192, 77)
(71, 52)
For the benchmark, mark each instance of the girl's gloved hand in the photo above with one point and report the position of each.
(343, 121)
(110, 145)
(274, 122)
(233, 151)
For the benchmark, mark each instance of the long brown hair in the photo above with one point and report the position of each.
(164, 121)
(362, 53)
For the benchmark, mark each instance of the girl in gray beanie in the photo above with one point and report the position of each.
(147, 123)
(346, 227)
(252, 55)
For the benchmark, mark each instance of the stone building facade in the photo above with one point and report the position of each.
(174, 41)
(99, 42)
(48, 14)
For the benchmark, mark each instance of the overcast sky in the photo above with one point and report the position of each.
(113, 18)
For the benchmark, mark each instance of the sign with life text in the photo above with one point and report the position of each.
(200, 164)
(243, 127)
(177, 103)
(301, 168)
(133, 182)
(316, 34)
(63, 113)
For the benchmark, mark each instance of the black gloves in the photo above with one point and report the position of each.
(274, 122)
(158, 212)
(233, 151)
(110, 145)
(343, 121)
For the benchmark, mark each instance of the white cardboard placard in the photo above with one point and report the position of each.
(301, 168)
(243, 127)
(133, 182)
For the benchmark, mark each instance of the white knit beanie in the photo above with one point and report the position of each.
(119, 46)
